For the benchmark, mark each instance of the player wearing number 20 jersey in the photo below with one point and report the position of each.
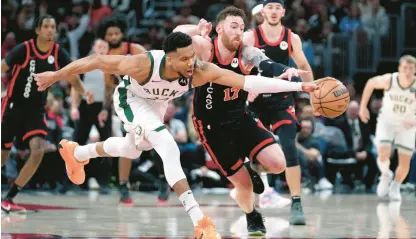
(399, 104)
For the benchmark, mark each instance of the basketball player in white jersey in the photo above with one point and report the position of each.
(153, 78)
(395, 123)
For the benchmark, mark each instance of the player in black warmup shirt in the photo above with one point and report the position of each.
(22, 109)
(277, 111)
(228, 132)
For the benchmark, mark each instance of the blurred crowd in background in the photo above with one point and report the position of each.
(335, 154)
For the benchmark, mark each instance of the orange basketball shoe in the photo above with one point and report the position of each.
(74, 169)
(206, 229)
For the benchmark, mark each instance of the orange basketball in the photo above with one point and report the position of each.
(331, 99)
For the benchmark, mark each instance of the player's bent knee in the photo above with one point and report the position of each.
(36, 154)
(272, 159)
(168, 150)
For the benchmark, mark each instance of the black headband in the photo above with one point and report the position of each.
(273, 1)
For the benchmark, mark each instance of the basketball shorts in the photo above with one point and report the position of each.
(393, 132)
(228, 145)
(274, 119)
(21, 125)
(138, 114)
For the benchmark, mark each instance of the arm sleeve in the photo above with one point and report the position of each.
(17, 56)
(63, 57)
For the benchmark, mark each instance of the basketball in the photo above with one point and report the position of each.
(331, 99)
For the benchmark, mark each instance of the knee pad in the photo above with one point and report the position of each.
(165, 145)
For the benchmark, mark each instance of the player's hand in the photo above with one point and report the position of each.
(364, 114)
(251, 97)
(74, 114)
(289, 73)
(409, 124)
(102, 117)
(45, 79)
(89, 97)
(205, 28)
(309, 86)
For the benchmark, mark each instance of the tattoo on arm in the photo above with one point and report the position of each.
(253, 55)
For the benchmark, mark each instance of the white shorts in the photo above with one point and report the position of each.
(395, 133)
(138, 112)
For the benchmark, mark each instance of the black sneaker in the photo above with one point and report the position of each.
(258, 185)
(125, 198)
(164, 190)
(296, 214)
(255, 224)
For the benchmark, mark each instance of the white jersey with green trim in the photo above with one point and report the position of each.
(399, 103)
(155, 87)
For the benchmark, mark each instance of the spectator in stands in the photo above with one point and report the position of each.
(8, 44)
(302, 29)
(352, 22)
(214, 9)
(256, 17)
(98, 12)
(357, 136)
(310, 155)
(321, 24)
(363, 5)
(119, 6)
(185, 17)
(338, 10)
(376, 21)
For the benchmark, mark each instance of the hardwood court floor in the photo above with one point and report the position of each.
(91, 216)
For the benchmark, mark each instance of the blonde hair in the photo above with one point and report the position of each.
(409, 59)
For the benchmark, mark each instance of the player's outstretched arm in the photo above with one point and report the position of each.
(379, 82)
(208, 72)
(137, 66)
(254, 56)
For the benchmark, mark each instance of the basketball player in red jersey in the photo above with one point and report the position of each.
(112, 30)
(23, 108)
(277, 111)
(228, 132)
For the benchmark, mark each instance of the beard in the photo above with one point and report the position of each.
(115, 45)
(228, 43)
(272, 24)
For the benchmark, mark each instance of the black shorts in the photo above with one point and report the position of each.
(274, 119)
(21, 125)
(228, 145)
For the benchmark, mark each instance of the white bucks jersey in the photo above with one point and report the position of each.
(155, 87)
(399, 103)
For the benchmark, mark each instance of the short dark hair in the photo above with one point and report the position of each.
(39, 20)
(231, 11)
(176, 40)
(111, 21)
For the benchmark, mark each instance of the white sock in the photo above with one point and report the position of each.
(84, 152)
(383, 166)
(191, 206)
